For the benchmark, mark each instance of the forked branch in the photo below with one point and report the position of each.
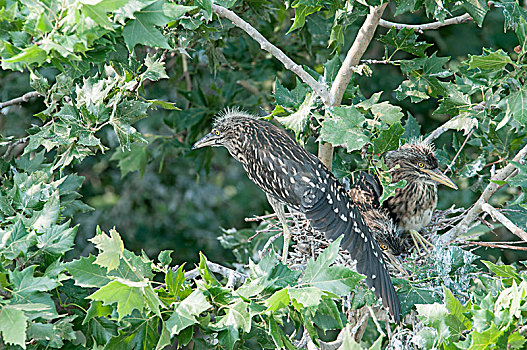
(318, 88)
(477, 208)
(19, 100)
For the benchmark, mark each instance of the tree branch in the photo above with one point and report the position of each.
(318, 88)
(497, 216)
(476, 209)
(19, 100)
(427, 26)
(363, 39)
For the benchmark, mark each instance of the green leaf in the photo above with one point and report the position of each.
(143, 29)
(388, 139)
(336, 279)
(155, 69)
(24, 283)
(185, 312)
(301, 12)
(58, 239)
(206, 5)
(517, 105)
(96, 309)
(477, 10)
(278, 300)
(127, 113)
(30, 55)
(303, 297)
(110, 249)
(386, 112)
(48, 215)
(87, 273)
(344, 128)
(412, 129)
(290, 99)
(405, 40)
(16, 241)
(132, 159)
(128, 297)
(98, 11)
(506, 271)
(13, 326)
(514, 14)
(297, 121)
(205, 273)
(368, 103)
(174, 281)
(486, 339)
(490, 60)
(237, 316)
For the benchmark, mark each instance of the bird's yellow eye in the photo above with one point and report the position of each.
(216, 132)
(384, 247)
(420, 165)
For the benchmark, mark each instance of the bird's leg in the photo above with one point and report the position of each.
(420, 241)
(280, 213)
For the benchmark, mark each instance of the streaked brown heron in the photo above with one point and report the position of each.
(412, 206)
(290, 175)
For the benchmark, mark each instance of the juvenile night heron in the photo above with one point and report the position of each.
(412, 206)
(290, 175)
(365, 193)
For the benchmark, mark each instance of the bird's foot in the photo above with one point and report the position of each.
(421, 242)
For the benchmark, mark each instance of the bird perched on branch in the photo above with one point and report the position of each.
(412, 206)
(290, 175)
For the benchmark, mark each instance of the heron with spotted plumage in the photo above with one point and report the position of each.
(291, 176)
(412, 207)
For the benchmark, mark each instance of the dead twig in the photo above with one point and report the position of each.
(19, 100)
(449, 168)
(427, 26)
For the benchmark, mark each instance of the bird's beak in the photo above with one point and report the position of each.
(208, 140)
(438, 176)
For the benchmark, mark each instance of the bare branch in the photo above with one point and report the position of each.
(476, 209)
(497, 216)
(436, 133)
(361, 43)
(19, 100)
(494, 245)
(449, 167)
(232, 275)
(318, 88)
(427, 26)
(12, 146)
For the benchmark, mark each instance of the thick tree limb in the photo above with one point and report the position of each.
(318, 88)
(361, 43)
(427, 26)
(476, 209)
(19, 100)
(497, 216)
